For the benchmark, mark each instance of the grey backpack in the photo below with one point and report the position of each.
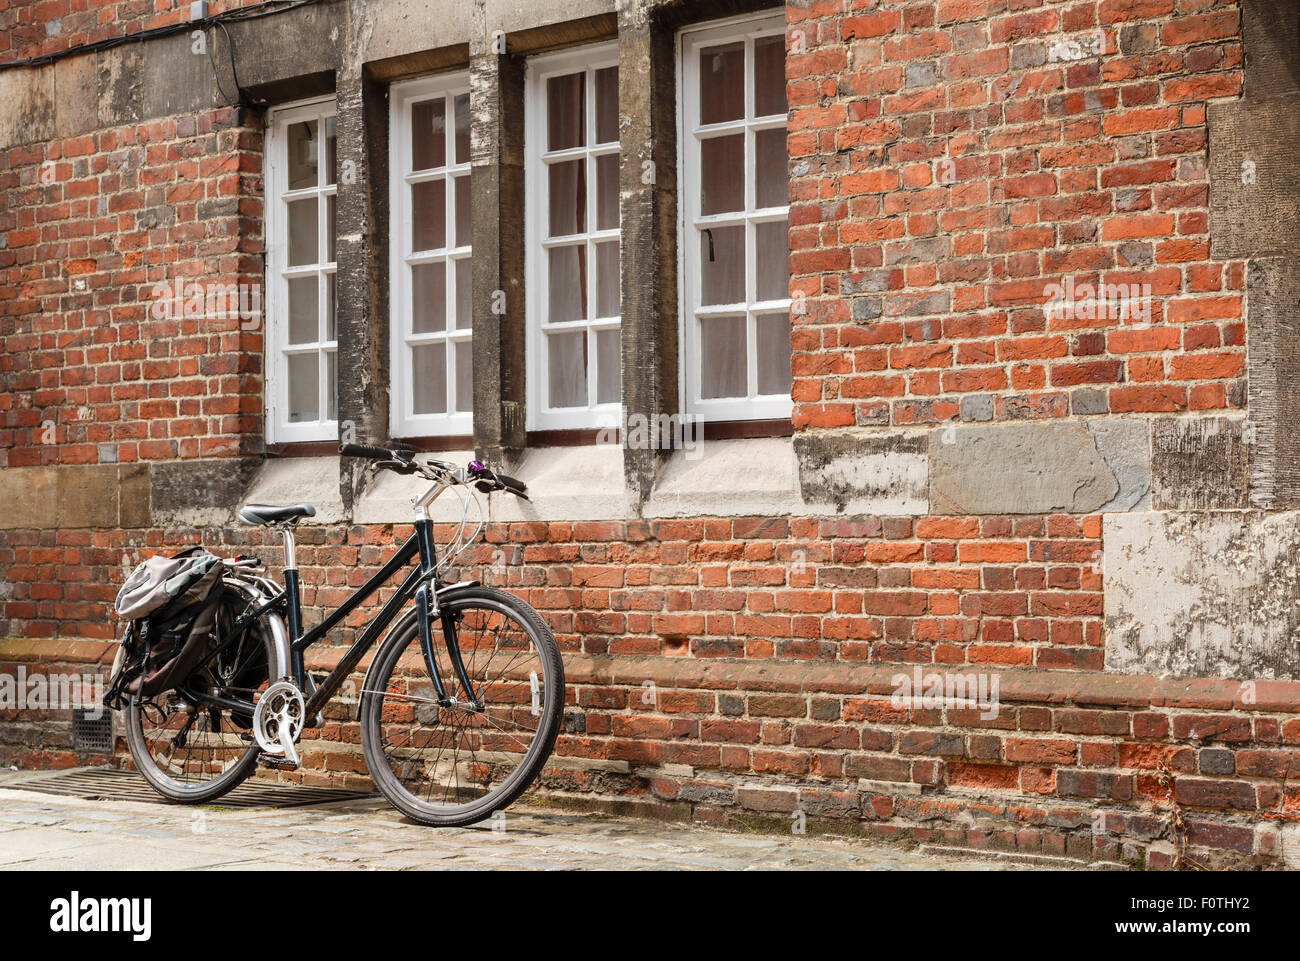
(160, 580)
(170, 605)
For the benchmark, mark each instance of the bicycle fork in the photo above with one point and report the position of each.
(427, 607)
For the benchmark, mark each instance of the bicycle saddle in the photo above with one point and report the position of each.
(269, 514)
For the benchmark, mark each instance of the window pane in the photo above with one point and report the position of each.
(428, 298)
(302, 154)
(568, 284)
(722, 174)
(464, 305)
(566, 117)
(608, 367)
(331, 150)
(331, 233)
(464, 376)
(303, 242)
(607, 105)
(303, 314)
(567, 362)
(428, 215)
(568, 197)
(769, 76)
(331, 308)
(722, 357)
(430, 378)
(304, 387)
(331, 386)
(722, 83)
(772, 260)
(462, 128)
(722, 265)
(608, 290)
(607, 192)
(429, 134)
(772, 342)
(771, 188)
(463, 210)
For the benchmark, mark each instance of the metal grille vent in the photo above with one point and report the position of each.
(92, 735)
(109, 784)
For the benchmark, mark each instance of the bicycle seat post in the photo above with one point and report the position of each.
(290, 555)
(293, 596)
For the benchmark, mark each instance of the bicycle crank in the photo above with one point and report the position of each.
(277, 720)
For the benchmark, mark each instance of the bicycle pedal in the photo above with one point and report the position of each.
(275, 762)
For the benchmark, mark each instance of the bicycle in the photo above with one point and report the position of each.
(469, 670)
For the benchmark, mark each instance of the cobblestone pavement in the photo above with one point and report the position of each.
(43, 831)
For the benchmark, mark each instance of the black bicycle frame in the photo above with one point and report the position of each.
(417, 584)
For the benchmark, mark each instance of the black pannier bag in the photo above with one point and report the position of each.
(171, 608)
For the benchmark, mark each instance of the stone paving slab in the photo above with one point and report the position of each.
(39, 831)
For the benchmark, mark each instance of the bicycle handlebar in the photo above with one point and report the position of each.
(401, 460)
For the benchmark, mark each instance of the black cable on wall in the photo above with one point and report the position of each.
(265, 9)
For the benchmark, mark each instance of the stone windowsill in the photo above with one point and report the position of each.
(722, 478)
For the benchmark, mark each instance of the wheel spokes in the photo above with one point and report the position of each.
(449, 754)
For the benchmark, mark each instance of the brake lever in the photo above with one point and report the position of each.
(396, 466)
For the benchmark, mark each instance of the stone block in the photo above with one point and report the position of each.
(1198, 463)
(1202, 593)
(844, 473)
(1038, 468)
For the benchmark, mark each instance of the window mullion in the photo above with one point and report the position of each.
(448, 239)
(403, 353)
(588, 225)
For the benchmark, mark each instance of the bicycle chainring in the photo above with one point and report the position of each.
(278, 719)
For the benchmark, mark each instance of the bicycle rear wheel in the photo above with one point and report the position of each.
(450, 766)
(194, 754)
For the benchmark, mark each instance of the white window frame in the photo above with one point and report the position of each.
(276, 195)
(690, 220)
(403, 421)
(590, 58)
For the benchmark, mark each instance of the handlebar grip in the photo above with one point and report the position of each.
(400, 454)
(489, 481)
(365, 450)
(513, 485)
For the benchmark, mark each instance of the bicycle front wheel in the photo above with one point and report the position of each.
(454, 765)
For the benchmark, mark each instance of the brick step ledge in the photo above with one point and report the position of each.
(844, 678)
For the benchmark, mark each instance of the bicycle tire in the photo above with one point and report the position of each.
(376, 696)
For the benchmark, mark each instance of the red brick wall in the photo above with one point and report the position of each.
(1020, 591)
(31, 28)
(948, 171)
(90, 225)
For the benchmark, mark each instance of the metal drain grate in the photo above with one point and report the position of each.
(109, 784)
(92, 735)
